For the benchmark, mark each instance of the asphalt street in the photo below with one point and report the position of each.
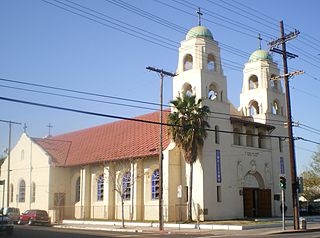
(51, 232)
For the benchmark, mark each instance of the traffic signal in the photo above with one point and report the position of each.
(283, 181)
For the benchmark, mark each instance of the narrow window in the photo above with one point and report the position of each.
(100, 187)
(126, 186)
(77, 189)
(219, 194)
(249, 138)
(33, 189)
(211, 64)
(187, 89)
(254, 108)
(280, 144)
(155, 185)
(274, 82)
(22, 191)
(253, 82)
(275, 108)
(187, 62)
(236, 136)
(216, 135)
(261, 138)
(213, 92)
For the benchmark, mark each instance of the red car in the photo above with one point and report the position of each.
(32, 217)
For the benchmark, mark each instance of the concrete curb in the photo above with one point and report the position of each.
(141, 225)
(97, 228)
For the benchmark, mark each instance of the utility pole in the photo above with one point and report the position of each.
(293, 170)
(162, 74)
(8, 159)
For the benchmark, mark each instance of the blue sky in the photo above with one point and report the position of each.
(44, 44)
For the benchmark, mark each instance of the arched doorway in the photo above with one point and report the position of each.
(256, 199)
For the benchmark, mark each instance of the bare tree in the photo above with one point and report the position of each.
(122, 176)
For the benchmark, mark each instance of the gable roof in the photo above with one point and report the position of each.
(113, 141)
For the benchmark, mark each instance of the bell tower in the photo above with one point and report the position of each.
(199, 68)
(261, 97)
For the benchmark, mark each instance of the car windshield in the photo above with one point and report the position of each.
(26, 212)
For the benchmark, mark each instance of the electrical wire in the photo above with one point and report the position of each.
(117, 98)
(125, 118)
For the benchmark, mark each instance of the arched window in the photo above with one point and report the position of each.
(211, 64)
(22, 191)
(155, 186)
(216, 135)
(249, 138)
(213, 92)
(11, 192)
(187, 89)
(253, 82)
(187, 62)
(100, 187)
(254, 108)
(77, 189)
(126, 186)
(33, 190)
(236, 136)
(274, 84)
(275, 108)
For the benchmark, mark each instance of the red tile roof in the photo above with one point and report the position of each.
(113, 141)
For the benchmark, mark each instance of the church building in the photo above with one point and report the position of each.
(86, 173)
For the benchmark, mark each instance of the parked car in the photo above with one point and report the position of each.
(6, 224)
(33, 217)
(12, 212)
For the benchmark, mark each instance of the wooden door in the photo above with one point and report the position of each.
(264, 203)
(248, 202)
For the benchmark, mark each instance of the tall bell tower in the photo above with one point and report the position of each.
(261, 97)
(199, 69)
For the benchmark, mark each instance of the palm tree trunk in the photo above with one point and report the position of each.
(190, 193)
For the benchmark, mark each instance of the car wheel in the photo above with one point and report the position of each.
(19, 222)
(30, 222)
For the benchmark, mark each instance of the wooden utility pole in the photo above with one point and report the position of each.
(293, 170)
(8, 160)
(162, 74)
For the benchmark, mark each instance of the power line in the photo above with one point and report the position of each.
(108, 96)
(307, 140)
(138, 34)
(312, 128)
(216, 23)
(125, 118)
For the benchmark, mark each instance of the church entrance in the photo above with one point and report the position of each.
(256, 200)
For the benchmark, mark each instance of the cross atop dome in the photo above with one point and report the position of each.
(199, 16)
(260, 39)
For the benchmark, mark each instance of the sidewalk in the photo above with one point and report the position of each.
(265, 226)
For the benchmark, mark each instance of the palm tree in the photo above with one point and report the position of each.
(189, 120)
